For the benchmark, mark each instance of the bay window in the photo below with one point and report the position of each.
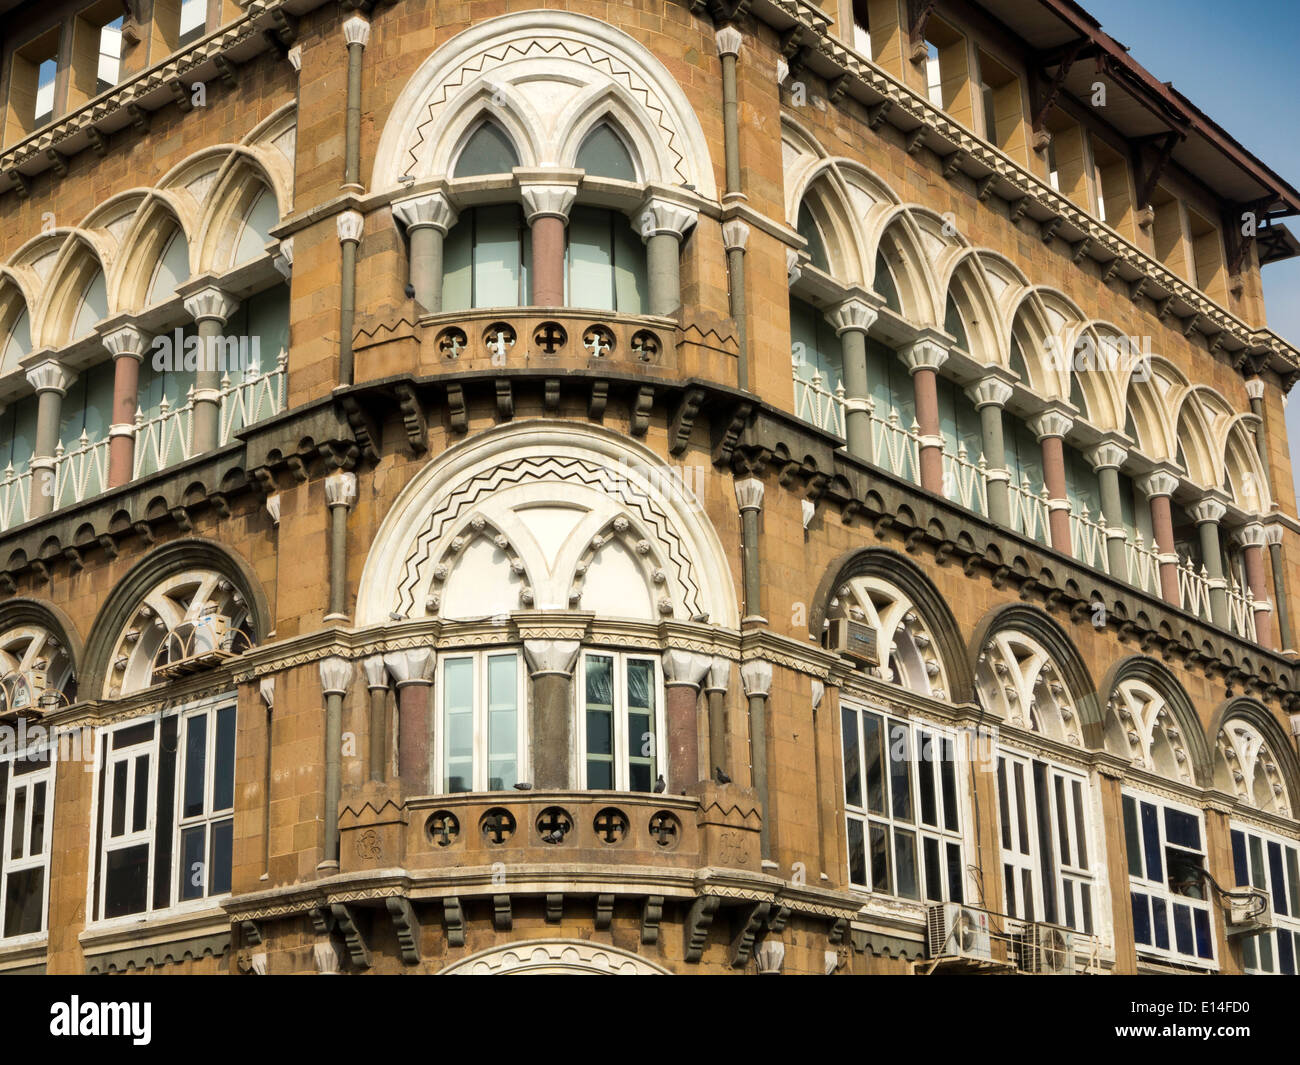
(26, 805)
(166, 811)
(1166, 863)
(606, 266)
(1271, 864)
(902, 808)
(485, 260)
(621, 715)
(1046, 844)
(481, 736)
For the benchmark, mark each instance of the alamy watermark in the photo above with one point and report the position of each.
(176, 352)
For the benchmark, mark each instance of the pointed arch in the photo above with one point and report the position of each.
(40, 651)
(905, 247)
(613, 106)
(1152, 393)
(1151, 721)
(154, 257)
(242, 205)
(15, 325)
(1261, 752)
(604, 153)
(76, 296)
(1244, 476)
(967, 289)
(1202, 423)
(495, 116)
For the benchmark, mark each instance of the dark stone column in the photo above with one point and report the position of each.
(51, 381)
(990, 395)
(663, 223)
(126, 344)
(1207, 514)
(1106, 460)
(853, 320)
(211, 309)
(377, 685)
(550, 665)
(749, 497)
(427, 219)
(340, 495)
(412, 671)
(715, 690)
(1274, 532)
(684, 672)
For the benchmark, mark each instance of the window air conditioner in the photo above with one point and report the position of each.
(855, 639)
(1046, 950)
(957, 931)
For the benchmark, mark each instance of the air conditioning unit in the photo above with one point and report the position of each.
(957, 931)
(194, 645)
(1046, 950)
(1250, 912)
(855, 639)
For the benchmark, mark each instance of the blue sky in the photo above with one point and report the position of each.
(1236, 62)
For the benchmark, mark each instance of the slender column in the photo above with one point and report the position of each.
(377, 686)
(749, 498)
(550, 665)
(715, 691)
(412, 671)
(728, 40)
(1273, 533)
(757, 678)
(1207, 515)
(923, 359)
(990, 395)
(266, 686)
(852, 320)
(1106, 459)
(211, 309)
(427, 219)
(51, 381)
(349, 225)
(1050, 428)
(546, 206)
(684, 673)
(356, 31)
(1255, 390)
(735, 235)
(126, 345)
(1158, 487)
(1252, 540)
(335, 678)
(340, 495)
(664, 223)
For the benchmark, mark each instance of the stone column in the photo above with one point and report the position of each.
(1158, 487)
(210, 308)
(990, 395)
(1273, 533)
(853, 320)
(51, 381)
(348, 225)
(546, 207)
(1255, 390)
(428, 219)
(663, 224)
(684, 673)
(340, 495)
(377, 686)
(356, 31)
(412, 671)
(126, 344)
(1050, 428)
(550, 665)
(749, 498)
(757, 678)
(735, 235)
(335, 679)
(1252, 540)
(715, 691)
(1106, 459)
(728, 40)
(1207, 514)
(923, 359)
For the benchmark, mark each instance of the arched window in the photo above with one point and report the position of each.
(488, 151)
(1247, 768)
(93, 308)
(605, 262)
(485, 260)
(908, 653)
(173, 268)
(255, 232)
(811, 232)
(885, 285)
(18, 343)
(603, 154)
(35, 670)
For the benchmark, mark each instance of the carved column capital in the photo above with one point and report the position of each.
(1158, 483)
(433, 209)
(210, 303)
(556, 657)
(749, 494)
(125, 342)
(853, 314)
(1109, 455)
(1050, 423)
(1251, 535)
(341, 489)
(335, 675)
(356, 30)
(685, 668)
(1208, 509)
(548, 199)
(990, 391)
(50, 376)
(735, 235)
(719, 674)
(376, 672)
(756, 675)
(925, 354)
(349, 225)
(658, 214)
(728, 39)
(412, 666)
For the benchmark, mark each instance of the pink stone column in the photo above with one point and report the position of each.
(1050, 428)
(546, 206)
(126, 344)
(413, 672)
(1252, 539)
(923, 359)
(1158, 487)
(684, 672)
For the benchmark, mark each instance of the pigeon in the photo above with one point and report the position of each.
(660, 785)
(556, 835)
(720, 776)
(523, 785)
(410, 291)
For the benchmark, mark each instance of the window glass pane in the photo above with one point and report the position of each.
(1204, 941)
(872, 735)
(1085, 893)
(223, 769)
(457, 264)
(1132, 837)
(933, 869)
(852, 761)
(1285, 952)
(503, 722)
(1256, 862)
(880, 879)
(600, 722)
(19, 823)
(458, 723)
(641, 739)
(1151, 839)
(1022, 806)
(857, 853)
(1062, 823)
(1182, 928)
(1004, 809)
(192, 874)
(496, 256)
(926, 754)
(948, 775)
(1182, 829)
(1080, 836)
(219, 859)
(630, 282)
(1141, 919)
(24, 902)
(488, 151)
(1159, 922)
(900, 771)
(126, 877)
(955, 873)
(905, 863)
(196, 747)
(603, 154)
(1293, 879)
(1277, 881)
(591, 262)
(36, 842)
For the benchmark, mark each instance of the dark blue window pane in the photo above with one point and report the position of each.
(1277, 879)
(1240, 866)
(1160, 923)
(852, 763)
(1141, 919)
(1204, 944)
(1183, 830)
(1286, 952)
(1132, 837)
(1182, 928)
(857, 854)
(1151, 841)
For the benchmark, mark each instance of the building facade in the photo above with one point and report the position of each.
(646, 487)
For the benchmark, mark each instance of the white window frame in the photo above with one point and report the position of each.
(28, 862)
(480, 709)
(1068, 880)
(1161, 892)
(97, 887)
(209, 817)
(1284, 924)
(862, 814)
(659, 759)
